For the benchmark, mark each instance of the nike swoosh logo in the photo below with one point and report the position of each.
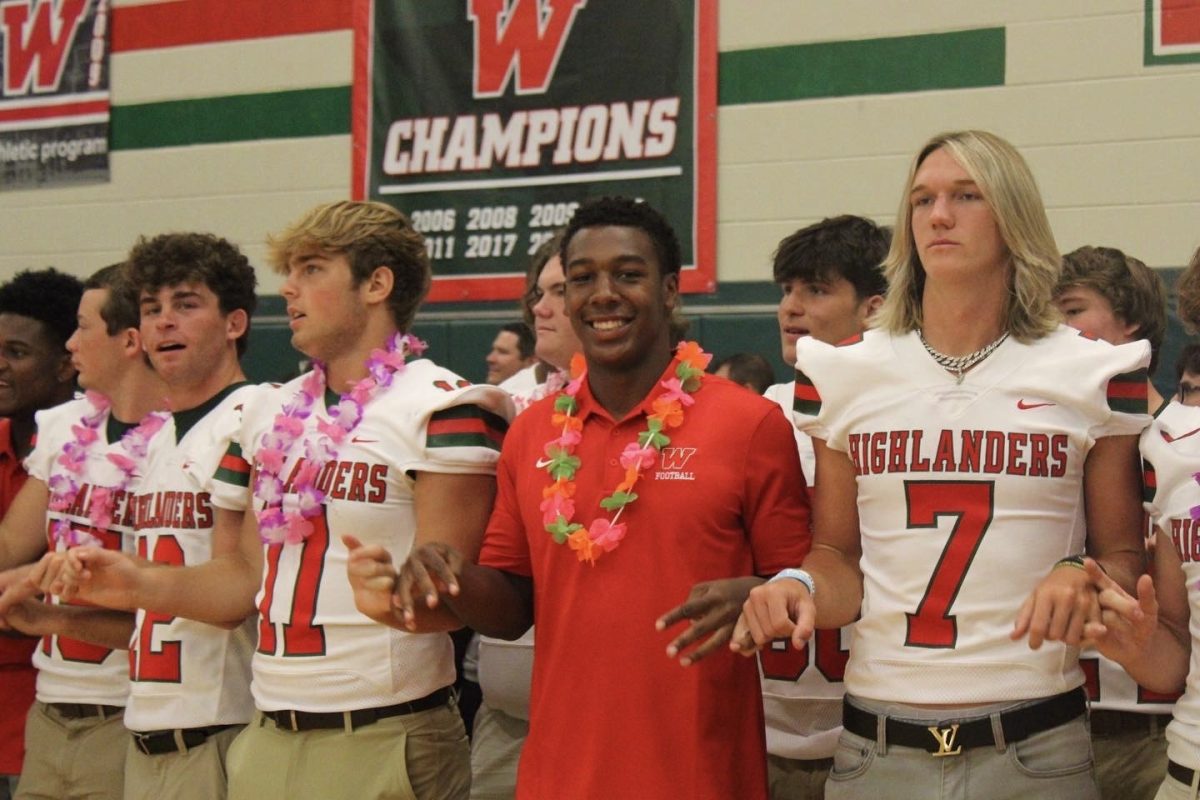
(1169, 438)
(1021, 404)
(360, 440)
(542, 463)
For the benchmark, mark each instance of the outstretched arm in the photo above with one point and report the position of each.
(220, 591)
(101, 626)
(785, 609)
(439, 587)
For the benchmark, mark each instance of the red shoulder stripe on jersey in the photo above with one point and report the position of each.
(233, 468)
(1127, 392)
(807, 399)
(465, 426)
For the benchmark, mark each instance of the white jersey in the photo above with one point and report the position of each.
(316, 652)
(69, 670)
(946, 476)
(802, 690)
(505, 669)
(1108, 685)
(187, 674)
(1171, 451)
(784, 394)
(521, 382)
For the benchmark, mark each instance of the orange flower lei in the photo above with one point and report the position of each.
(558, 508)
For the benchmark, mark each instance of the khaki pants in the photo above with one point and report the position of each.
(198, 774)
(421, 756)
(795, 779)
(1130, 765)
(495, 751)
(72, 759)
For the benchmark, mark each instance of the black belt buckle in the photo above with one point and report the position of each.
(141, 742)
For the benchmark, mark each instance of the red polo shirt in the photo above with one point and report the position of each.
(17, 675)
(610, 715)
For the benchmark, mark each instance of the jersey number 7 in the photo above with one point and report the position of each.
(971, 502)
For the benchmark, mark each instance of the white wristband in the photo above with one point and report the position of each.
(794, 574)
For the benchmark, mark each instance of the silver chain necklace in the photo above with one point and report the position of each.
(957, 365)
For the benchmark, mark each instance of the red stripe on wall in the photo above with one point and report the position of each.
(1180, 22)
(186, 22)
(56, 110)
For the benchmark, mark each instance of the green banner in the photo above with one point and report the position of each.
(489, 121)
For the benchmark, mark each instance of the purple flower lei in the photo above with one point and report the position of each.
(64, 485)
(275, 525)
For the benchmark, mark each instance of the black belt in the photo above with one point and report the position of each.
(1181, 773)
(1106, 722)
(951, 737)
(85, 710)
(349, 720)
(156, 743)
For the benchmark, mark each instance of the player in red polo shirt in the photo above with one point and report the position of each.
(615, 496)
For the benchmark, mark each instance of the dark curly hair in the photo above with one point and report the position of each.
(171, 259)
(47, 295)
(844, 246)
(627, 213)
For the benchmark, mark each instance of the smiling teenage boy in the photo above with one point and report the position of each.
(721, 501)
(189, 690)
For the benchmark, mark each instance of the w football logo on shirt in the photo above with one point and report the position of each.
(673, 462)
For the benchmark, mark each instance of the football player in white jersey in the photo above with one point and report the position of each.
(1153, 635)
(75, 738)
(1115, 297)
(189, 691)
(970, 450)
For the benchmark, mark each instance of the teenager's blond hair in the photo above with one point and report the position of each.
(1011, 193)
(370, 235)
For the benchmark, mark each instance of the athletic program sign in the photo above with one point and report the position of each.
(489, 121)
(54, 104)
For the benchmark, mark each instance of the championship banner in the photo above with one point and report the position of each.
(54, 101)
(489, 121)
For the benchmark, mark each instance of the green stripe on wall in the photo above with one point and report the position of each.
(236, 118)
(957, 60)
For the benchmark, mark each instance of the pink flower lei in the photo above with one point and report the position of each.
(558, 508)
(291, 527)
(64, 485)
